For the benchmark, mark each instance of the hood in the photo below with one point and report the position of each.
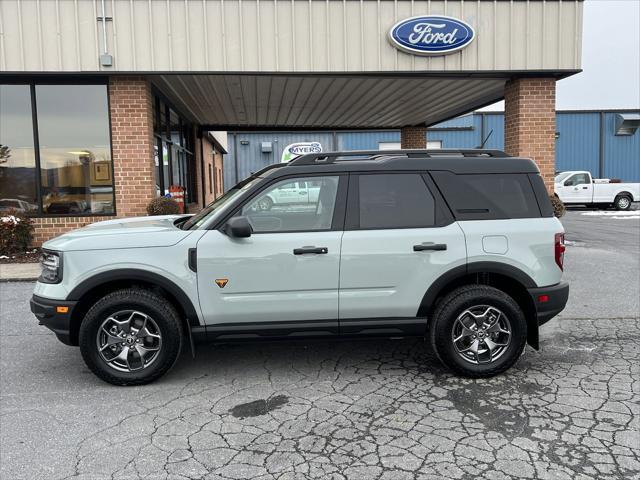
(137, 232)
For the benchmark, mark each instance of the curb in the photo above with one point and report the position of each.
(19, 272)
(17, 279)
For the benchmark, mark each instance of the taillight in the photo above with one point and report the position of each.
(559, 249)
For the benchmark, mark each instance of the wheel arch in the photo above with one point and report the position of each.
(624, 193)
(511, 280)
(89, 291)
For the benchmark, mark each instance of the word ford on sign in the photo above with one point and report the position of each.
(431, 35)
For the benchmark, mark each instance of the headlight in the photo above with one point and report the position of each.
(51, 267)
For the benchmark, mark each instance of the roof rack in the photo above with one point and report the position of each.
(332, 157)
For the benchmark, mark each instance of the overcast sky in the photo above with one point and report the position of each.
(610, 59)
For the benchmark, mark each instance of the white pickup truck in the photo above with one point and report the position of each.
(578, 187)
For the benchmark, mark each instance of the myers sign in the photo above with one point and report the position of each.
(431, 35)
(297, 149)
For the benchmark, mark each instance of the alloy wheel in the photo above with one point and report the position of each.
(129, 341)
(481, 334)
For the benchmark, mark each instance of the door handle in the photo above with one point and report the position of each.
(585, 188)
(302, 193)
(303, 250)
(429, 246)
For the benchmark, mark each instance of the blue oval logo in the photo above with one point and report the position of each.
(431, 35)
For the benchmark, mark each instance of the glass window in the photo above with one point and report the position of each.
(487, 197)
(395, 201)
(577, 179)
(561, 176)
(285, 207)
(17, 155)
(75, 153)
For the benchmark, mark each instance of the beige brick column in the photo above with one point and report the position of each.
(130, 104)
(530, 122)
(413, 137)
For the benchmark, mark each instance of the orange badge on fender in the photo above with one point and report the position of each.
(222, 282)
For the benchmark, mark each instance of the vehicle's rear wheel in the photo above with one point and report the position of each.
(622, 202)
(478, 331)
(131, 337)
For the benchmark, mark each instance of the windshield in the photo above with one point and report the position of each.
(203, 215)
(561, 176)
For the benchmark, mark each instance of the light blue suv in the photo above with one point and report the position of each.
(458, 247)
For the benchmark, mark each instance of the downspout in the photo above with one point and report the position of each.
(601, 152)
(235, 155)
(203, 178)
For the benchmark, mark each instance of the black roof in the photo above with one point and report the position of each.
(456, 161)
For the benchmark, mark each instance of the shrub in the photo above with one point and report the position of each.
(558, 207)
(16, 232)
(163, 206)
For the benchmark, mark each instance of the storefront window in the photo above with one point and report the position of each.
(18, 188)
(63, 165)
(176, 169)
(75, 153)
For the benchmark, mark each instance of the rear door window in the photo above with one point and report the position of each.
(395, 201)
(488, 196)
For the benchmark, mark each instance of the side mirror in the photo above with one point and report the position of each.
(238, 227)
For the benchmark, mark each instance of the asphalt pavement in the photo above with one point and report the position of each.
(346, 410)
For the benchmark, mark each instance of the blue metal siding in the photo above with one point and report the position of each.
(622, 152)
(366, 140)
(495, 123)
(578, 146)
(251, 158)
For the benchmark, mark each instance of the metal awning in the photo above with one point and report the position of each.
(312, 101)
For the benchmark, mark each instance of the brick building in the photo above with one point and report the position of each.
(102, 110)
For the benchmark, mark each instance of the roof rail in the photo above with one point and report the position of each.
(332, 157)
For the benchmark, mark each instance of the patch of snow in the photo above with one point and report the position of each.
(614, 214)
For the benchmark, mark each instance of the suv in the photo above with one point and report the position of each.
(458, 247)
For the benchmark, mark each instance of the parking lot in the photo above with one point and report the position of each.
(346, 410)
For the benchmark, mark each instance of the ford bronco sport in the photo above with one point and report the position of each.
(458, 247)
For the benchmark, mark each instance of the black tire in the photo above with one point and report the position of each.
(444, 319)
(164, 316)
(622, 202)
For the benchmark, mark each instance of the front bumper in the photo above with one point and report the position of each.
(47, 312)
(549, 301)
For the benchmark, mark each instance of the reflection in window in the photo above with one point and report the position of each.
(75, 155)
(286, 207)
(17, 156)
(174, 136)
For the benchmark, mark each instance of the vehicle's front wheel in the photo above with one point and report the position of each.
(622, 202)
(478, 331)
(131, 337)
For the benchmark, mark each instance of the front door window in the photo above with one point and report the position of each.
(289, 205)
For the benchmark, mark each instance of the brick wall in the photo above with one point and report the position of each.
(130, 102)
(413, 137)
(530, 122)
(49, 227)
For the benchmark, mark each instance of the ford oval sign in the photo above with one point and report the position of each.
(431, 35)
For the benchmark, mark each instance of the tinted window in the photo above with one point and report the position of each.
(283, 207)
(75, 151)
(17, 155)
(395, 201)
(488, 196)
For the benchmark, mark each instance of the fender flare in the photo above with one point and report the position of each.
(475, 267)
(142, 275)
(506, 270)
